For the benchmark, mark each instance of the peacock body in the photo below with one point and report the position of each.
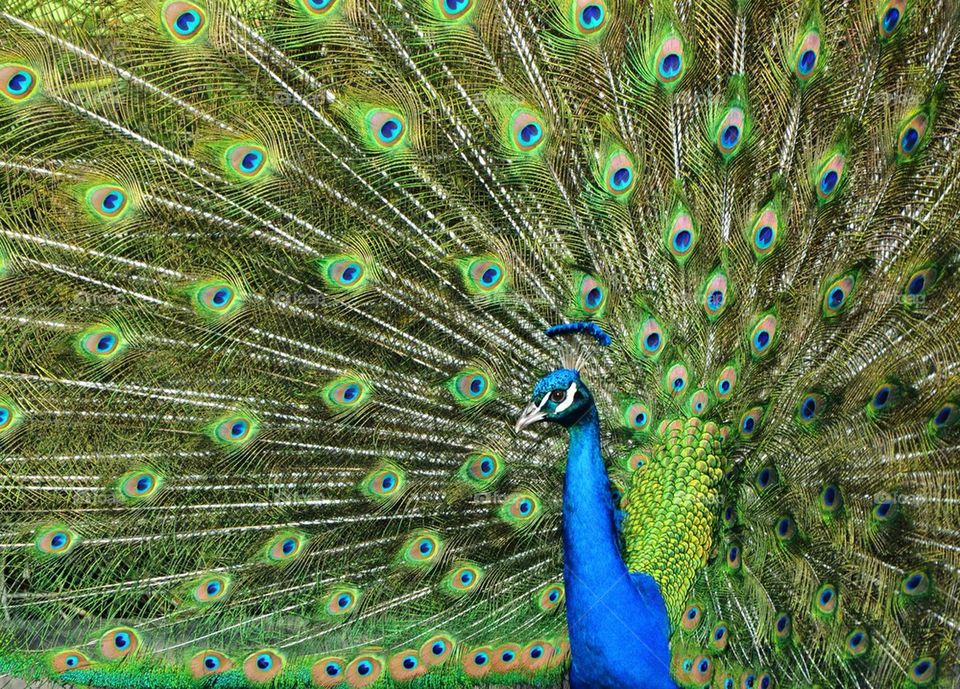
(282, 289)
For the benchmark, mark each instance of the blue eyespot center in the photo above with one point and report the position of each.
(784, 527)
(921, 667)
(486, 467)
(829, 495)
(343, 601)
(507, 656)
(682, 240)
(456, 6)
(111, 201)
(144, 483)
(238, 429)
(809, 408)
(910, 139)
(390, 129)
(19, 83)
(476, 385)
(733, 554)
(914, 581)
(211, 663)
(105, 343)
(782, 623)
(856, 639)
(762, 339)
(883, 508)
(71, 661)
(351, 392)
(490, 275)
(730, 136)
(724, 385)
(438, 648)
(808, 60)
(536, 652)
(264, 662)
(764, 236)
(591, 16)
(530, 134)
(409, 662)
(653, 341)
(480, 659)
(525, 506)
(425, 547)
(213, 588)
(251, 161)
(826, 597)
(890, 19)
(332, 669)
(554, 596)
(622, 178)
(594, 296)
(121, 640)
(719, 634)
(289, 545)
(715, 300)
(670, 65)
(58, 541)
(187, 21)
(748, 424)
(916, 285)
(880, 399)
(836, 297)
(221, 296)
(829, 181)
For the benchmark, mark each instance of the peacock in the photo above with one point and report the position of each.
(609, 344)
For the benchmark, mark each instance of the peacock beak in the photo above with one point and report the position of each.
(530, 415)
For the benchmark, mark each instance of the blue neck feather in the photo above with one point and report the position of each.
(617, 621)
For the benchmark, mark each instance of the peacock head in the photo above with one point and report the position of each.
(560, 397)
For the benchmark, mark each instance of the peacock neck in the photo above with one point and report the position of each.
(617, 622)
(591, 548)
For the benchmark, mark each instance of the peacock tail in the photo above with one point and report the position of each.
(274, 283)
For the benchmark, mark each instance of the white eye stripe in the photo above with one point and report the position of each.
(568, 400)
(543, 401)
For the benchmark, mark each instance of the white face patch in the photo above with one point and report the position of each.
(568, 400)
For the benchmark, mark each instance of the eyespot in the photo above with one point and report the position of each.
(211, 588)
(56, 540)
(637, 417)
(675, 380)
(726, 382)
(476, 663)
(912, 136)
(807, 56)
(9, 415)
(885, 509)
(535, 655)
(550, 597)
(810, 408)
(17, 82)
(618, 174)
(714, 298)
(830, 499)
(482, 469)
(437, 650)
(916, 287)
(750, 422)
(71, 659)
(422, 549)
(701, 670)
(748, 680)
(328, 672)
(786, 529)
(506, 658)
(464, 578)
(720, 636)
(485, 276)
(923, 671)
(764, 680)
(185, 21)
(342, 601)
(107, 202)
(691, 617)
(836, 296)
(650, 339)
(344, 273)
(890, 16)
(317, 8)
(209, 663)
(384, 484)
(589, 16)
(830, 177)
(765, 233)
(681, 237)
(561, 651)
(729, 517)
(730, 132)
(857, 642)
(100, 343)
(945, 417)
(345, 393)
(454, 9)
(527, 131)
(699, 403)
(471, 387)
(734, 558)
(591, 296)
(405, 665)
(520, 509)
(782, 626)
(262, 666)
(885, 396)
(669, 65)
(727, 682)
(763, 335)
(766, 477)
(637, 461)
(285, 547)
(234, 430)
(119, 643)
(387, 129)
(826, 600)
(248, 161)
(915, 584)
(215, 298)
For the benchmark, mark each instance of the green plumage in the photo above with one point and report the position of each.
(274, 276)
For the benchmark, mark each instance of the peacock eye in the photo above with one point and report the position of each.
(558, 395)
